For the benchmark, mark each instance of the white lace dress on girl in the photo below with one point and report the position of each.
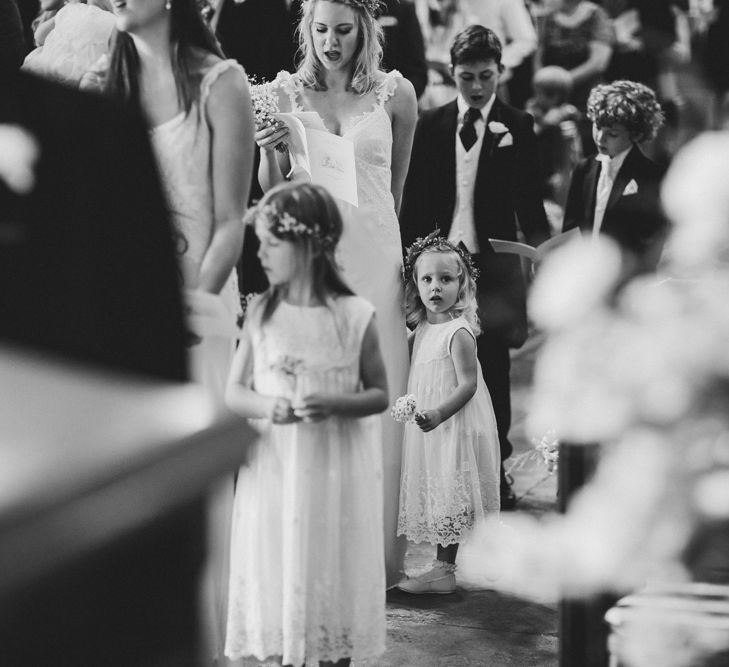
(182, 147)
(370, 254)
(307, 567)
(450, 476)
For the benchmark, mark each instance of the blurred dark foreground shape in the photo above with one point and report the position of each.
(106, 454)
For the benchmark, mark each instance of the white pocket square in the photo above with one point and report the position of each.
(508, 140)
(631, 188)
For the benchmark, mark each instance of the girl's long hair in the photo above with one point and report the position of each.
(466, 305)
(367, 57)
(189, 34)
(311, 205)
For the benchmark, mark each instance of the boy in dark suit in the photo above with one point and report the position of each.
(473, 173)
(616, 192)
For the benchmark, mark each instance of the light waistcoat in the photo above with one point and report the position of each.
(463, 227)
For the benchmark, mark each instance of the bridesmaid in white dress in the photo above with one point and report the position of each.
(166, 61)
(340, 79)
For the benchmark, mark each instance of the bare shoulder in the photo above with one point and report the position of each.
(404, 89)
(403, 100)
(228, 87)
(463, 344)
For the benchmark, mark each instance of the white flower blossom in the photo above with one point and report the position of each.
(19, 152)
(696, 198)
(404, 408)
(573, 280)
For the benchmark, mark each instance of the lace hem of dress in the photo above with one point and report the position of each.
(323, 648)
(445, 531)
(442, 513)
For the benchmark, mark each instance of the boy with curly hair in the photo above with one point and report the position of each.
(616, 191)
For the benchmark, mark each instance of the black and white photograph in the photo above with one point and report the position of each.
(369, 333)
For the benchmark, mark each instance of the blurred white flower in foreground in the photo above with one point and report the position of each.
(18, 154)
(630, 514)
(642, 368)
(695, 196)
(646, 359)
(573, 280)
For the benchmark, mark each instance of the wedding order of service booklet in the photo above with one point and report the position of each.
(326, 157)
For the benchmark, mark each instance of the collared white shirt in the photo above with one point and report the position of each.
(609, 168)
(463, 228)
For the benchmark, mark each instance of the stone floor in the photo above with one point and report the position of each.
(480, 626)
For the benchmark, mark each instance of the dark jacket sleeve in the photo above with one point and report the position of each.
(573, 210)
(529, 205)
(414, 202)
(414, 66)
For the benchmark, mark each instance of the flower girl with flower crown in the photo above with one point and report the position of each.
(450, 469)
(307, 560)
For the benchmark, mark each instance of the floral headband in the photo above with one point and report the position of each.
(434, 241)
(284, 225)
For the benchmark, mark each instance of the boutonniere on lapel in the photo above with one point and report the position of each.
(502, 132)
(631, 188)
(18, 154)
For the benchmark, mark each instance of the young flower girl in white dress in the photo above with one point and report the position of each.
(307, 563)
(450, 470)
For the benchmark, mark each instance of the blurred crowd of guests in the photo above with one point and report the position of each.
(555, 51)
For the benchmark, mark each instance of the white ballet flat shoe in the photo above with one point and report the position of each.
(441, 580)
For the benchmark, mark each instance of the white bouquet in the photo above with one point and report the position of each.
(265, 105)
(404, 408)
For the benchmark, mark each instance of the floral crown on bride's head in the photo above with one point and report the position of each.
(434, 241)
(285, 226)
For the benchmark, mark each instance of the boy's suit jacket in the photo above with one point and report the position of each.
(87, 265)
(633, 216)
(507, 190)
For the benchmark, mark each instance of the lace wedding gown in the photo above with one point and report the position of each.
(450, 476)
(370, 254)
(182, 148)
(307, 568)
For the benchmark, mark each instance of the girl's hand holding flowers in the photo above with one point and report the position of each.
(282, 412)
(314, 407)
(427, 420)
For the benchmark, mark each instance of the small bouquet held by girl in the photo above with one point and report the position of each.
(450, 465)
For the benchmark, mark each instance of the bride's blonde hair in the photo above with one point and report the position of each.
(367, 57)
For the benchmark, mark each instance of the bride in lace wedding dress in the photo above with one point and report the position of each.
(339, 79)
